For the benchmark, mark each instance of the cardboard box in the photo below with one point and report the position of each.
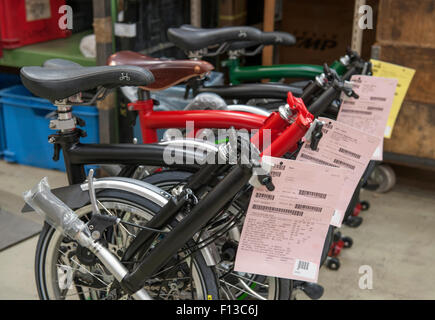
(323, 29)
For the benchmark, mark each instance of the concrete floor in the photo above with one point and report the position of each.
(395, 240)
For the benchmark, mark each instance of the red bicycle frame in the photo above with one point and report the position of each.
(284, 136)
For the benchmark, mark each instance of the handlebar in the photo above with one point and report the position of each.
(322, 103)
(309, 91)
(349, 73)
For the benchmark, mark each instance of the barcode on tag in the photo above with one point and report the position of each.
(265, 196)
(275, 174)
(309, 208)
(312, 194)
(375, 108)
(350, 153)
(356, 111)
(306, 269)
(308, 157)
(344, 164)
(316, 160)
(279, 167)
(378, 98)
(278, 210)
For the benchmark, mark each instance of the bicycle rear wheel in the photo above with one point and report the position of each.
(64, 270)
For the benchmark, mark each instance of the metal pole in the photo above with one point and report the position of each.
(268, 25)
(195, 13)
(103, 37)
(357, 32)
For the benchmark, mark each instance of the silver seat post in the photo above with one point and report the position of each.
(65, 121)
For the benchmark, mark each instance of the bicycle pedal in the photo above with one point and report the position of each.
(313, 290)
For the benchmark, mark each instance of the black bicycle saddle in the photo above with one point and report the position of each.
(54, 83)
(266, 39)
(190, 40)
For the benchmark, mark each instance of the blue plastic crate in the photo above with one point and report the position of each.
(27, 131)
(6, 80)
(9, 80)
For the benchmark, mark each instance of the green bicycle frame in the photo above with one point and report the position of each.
(238, 74)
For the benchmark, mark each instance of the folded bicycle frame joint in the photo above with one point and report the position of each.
(207, 208)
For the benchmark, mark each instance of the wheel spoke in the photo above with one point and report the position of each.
(255, 295)
(247, 279)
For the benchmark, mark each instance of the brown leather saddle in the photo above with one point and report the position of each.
(167, 73)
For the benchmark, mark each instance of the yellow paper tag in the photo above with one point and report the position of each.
(404, 77)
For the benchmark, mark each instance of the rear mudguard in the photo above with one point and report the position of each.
(77, 196)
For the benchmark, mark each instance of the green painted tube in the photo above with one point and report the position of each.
(239, 74)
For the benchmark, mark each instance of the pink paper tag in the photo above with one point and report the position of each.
(369, 113)
(284, 231)
(345, 147)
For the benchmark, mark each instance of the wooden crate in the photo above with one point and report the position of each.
(414, 132)
(407, 22)
(405, 35)
(422, 87)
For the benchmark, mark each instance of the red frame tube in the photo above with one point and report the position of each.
(284, 136)
(151, 120)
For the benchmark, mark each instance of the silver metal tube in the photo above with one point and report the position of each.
(249, 109)
(115, 267)
(91, 190)
(191, 143)
(65, 220)
(141, 188)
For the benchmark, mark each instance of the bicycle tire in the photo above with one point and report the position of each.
(207, 282)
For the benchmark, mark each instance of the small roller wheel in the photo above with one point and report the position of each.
(336, 236)
(383, 177)
(353, 222)
(333, 264)
(348, 242)
(365, 205)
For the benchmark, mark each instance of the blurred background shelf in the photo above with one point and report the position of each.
(36, 54)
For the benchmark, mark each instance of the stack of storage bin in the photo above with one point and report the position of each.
(26, 127)
(26, 22)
